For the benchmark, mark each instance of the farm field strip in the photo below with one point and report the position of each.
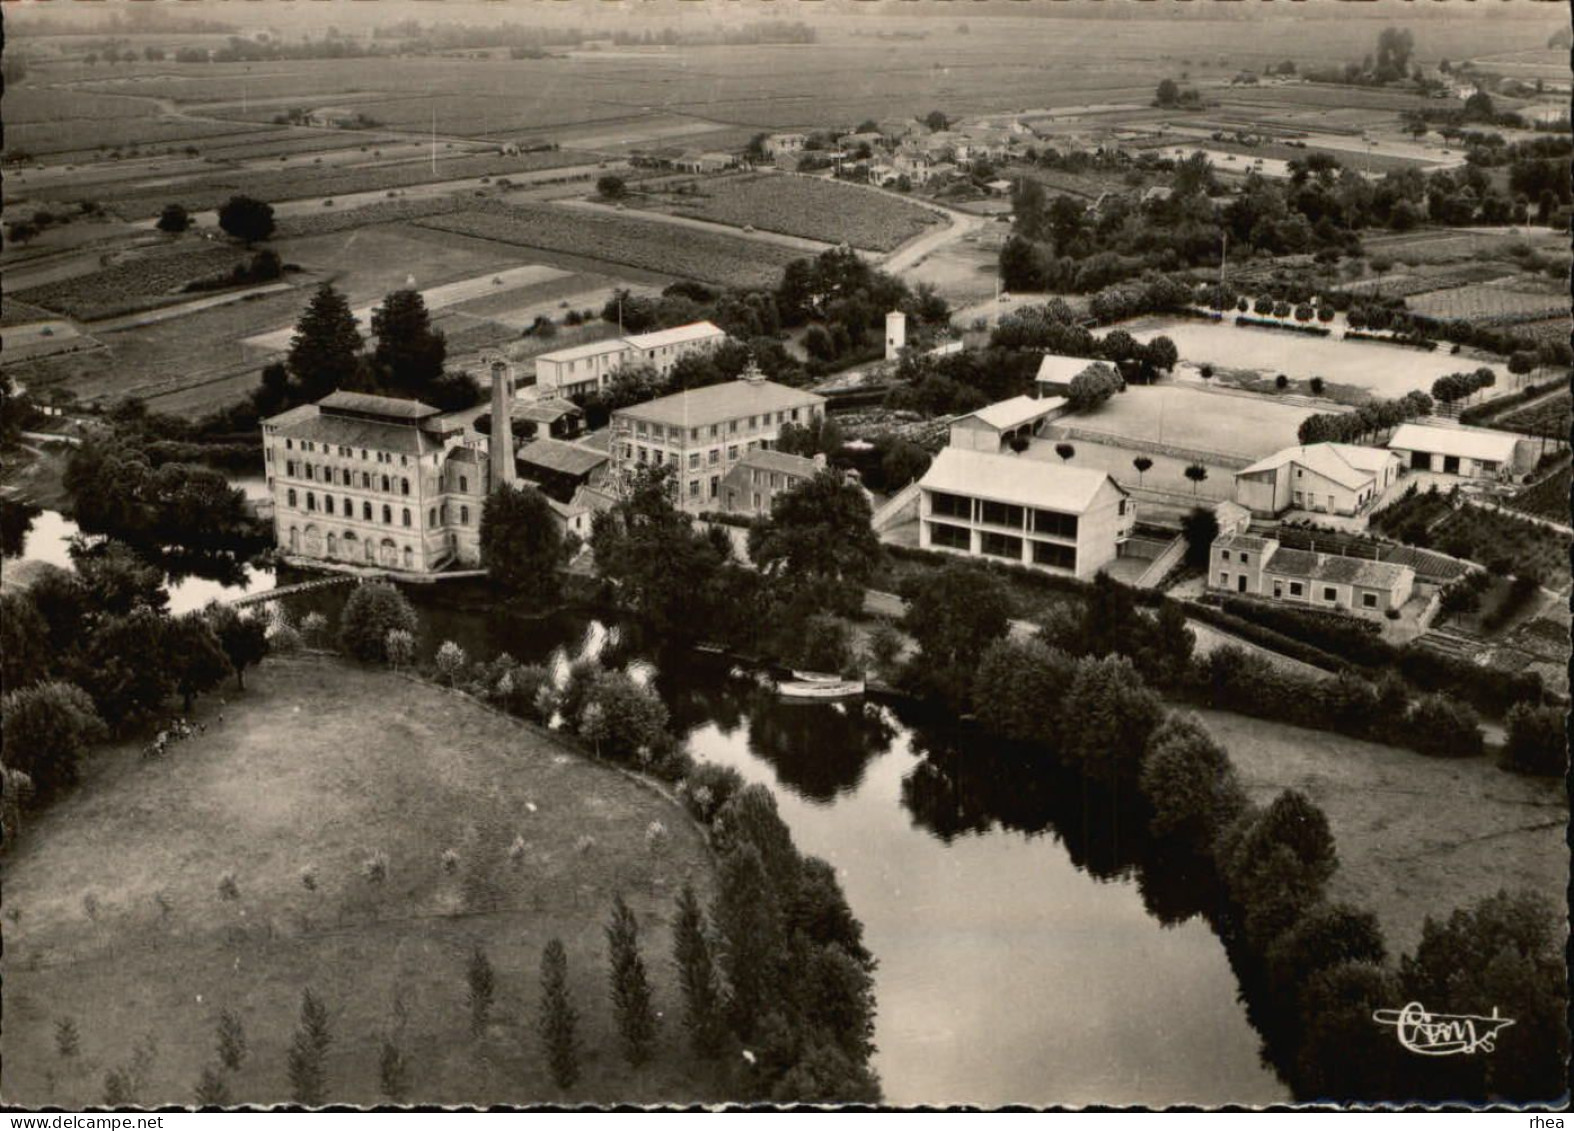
(1548, 499)
(436, 298)
(617, 239)
(807, 207)
(1478, 302)
(123, 287)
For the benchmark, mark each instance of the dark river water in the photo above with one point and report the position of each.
(1031, 948)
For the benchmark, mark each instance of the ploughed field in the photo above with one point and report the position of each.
(114, 915)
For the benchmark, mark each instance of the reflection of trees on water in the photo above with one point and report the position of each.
(16, 520)
(818, 750)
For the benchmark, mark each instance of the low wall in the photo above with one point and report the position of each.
(1160, 566)
(1190, 455)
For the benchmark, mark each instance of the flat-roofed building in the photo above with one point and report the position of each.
(705, 432)
(1328, 478)
(1058, 518)
(375, 481)
(1477, 453)
(1260, 567)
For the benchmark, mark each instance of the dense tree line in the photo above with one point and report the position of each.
(1303, 961)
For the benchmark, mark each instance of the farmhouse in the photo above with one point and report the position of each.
(550, 417)
(778, 144)
(994, 427)
(1260, 567)
(1329, 478)
(375, 481)
(752, 485)
(1055, 373)
(705, 432)
(1477, 453)
(586, 368)
(985, 504)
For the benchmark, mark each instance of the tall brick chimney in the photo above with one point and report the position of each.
(501, 442)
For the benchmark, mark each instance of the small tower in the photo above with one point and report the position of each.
(895, 334)
(500, 443)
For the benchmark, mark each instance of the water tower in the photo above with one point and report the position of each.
(895, 334)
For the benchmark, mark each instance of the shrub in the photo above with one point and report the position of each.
(373, 611)
(450, 662)
(399, 646)
(708, 788)
(1442, 726)
(1537, 741)
(623, 719)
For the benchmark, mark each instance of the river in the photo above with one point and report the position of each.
(1032, 948)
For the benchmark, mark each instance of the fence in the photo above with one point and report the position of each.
(1189, 455)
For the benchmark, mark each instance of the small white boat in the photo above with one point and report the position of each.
(816, 677)
(841, 689)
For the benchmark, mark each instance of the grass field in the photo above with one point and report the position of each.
(301, 776)
(803, 206)
(1241, 426)
(1481, 302)
(1416, 836)
(615, 239)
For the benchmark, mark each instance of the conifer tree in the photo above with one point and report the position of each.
(556, 1021)
(631, 997)
(480, 982)
(691, 953)
(326, 347)
(308, 1047)
(212, 1089)
(231, 1040)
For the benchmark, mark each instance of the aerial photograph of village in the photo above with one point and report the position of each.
(888, 554)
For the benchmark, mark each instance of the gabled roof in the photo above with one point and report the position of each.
(1015, 479)
(676, 335)
(1249, 542)
(1061, 369)
(714, 404)
(566, 459)
(546, 411)
(1017, 411)
(1332, 461)
(1468, 443)
(766, 459)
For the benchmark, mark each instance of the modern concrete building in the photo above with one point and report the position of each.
(994, 427)
(1475, 453)
(1059, 518)
(1327, 478)
(585, 368)
(705, 432)
(1260, 567)
(375, 481)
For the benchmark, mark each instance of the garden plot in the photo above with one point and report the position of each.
(1483, 302)
(437, 299)
(42, 339)
(147, 280)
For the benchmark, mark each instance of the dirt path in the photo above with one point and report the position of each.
(797, 243)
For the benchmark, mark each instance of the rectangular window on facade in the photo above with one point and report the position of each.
(715, 430)
(1330, 593)
(1224, 577)
(694, 461)
(464, 483)
(1224, 555)
(732, 452)
(1295, 589)
(1278, 589)
(952, 537)
(1055, 524)
(644, 454)
(694, 488)
(1001, 546)
(1054, 556)
(952, 506)
(1244, 560)
(714, 457)
(1002, 514)
(1369, 600)
(464, 516)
